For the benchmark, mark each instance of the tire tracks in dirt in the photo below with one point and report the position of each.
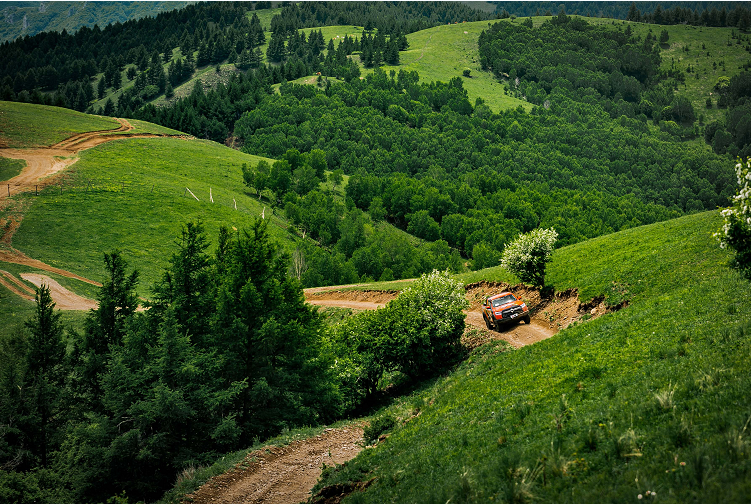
(281, 475)
(42, 164)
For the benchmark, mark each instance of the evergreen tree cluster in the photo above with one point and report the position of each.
(385, 17)
(58, 68)
(227, 352)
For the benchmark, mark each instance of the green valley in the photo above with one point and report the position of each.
(237, 237)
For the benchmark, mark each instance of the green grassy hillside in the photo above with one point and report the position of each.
(137, 203)
(444, 52)
(651, 398)
(22, 125)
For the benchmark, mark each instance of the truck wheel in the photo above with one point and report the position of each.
(527, 320)
(487, 323)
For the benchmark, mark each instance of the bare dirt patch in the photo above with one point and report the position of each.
(63, 298)
(280, 475)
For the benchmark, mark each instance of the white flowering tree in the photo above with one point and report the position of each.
(736, 231)
(527, 256)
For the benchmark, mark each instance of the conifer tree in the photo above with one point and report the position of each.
(44, 370)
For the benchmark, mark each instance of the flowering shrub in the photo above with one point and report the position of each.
(418, 333)
(527, 256)
(736, 231)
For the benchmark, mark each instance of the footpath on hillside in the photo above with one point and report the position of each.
(549, 314)
(281, 475)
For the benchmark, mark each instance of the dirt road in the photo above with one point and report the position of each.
(44, 162)
(63, 298)
(41, 166)
(549, 315)
(280, 475)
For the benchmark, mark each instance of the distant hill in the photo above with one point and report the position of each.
(615, 10)
(29, 18)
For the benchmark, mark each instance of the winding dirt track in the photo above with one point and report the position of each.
(281, 475)
(43, 162)
(517, 335)
(41, 166)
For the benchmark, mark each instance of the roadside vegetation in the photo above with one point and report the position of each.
(425, 137)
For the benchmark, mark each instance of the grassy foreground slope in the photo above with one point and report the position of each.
(650, 398)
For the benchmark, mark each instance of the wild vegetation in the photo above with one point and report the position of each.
(371, 171)
(647, 399)
(227, 352)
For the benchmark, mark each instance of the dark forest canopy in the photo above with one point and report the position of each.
(696, 13)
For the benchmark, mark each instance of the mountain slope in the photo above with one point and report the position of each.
(650, 398)
(30, 18)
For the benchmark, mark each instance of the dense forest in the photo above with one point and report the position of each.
(700, 13)
(227, 352)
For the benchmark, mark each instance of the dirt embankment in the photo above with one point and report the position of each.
(280, 475)
(549, 314)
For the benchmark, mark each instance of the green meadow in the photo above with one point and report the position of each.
(131, 195)
(653, 397)
(22, 126)
(9, 168)
(444, 52)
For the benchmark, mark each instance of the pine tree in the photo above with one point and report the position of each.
(44, 369)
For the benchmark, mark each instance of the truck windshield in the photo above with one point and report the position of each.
(504, 300)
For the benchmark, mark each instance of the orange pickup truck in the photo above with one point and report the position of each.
(504, 308)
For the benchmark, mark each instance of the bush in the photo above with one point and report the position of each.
(418, 333)
(736, 231)
(527, 256)
(377, 427)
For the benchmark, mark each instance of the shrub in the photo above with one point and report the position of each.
(377, 427)
(418, 333)
(527, 256)
(736, 231)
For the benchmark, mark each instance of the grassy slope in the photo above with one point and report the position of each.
(74, 229)
(716, 49)
(584, 402)
(9, 168)
(22, 125)
(444, 52)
